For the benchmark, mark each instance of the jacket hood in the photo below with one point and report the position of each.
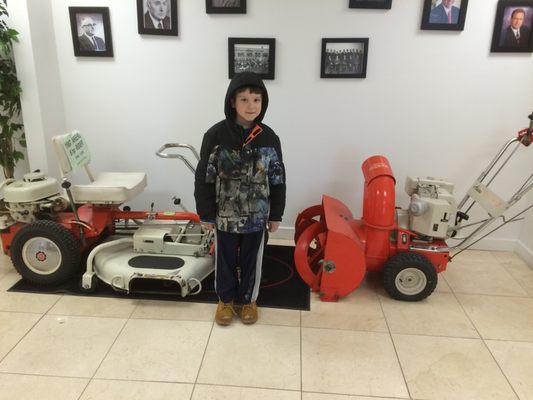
(240, 80)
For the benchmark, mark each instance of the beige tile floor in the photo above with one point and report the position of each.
(471, 339)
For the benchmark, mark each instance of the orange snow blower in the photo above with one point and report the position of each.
(334, 251)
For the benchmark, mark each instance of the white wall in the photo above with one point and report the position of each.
(37, 69)
(434, 102)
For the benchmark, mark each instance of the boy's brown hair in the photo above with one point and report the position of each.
(252, 89)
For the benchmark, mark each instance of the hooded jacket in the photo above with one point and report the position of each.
(240, 183)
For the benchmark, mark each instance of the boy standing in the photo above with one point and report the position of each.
(240, 191)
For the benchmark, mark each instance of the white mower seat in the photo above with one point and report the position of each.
(107, 187)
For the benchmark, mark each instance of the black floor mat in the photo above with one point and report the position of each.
(281, 286)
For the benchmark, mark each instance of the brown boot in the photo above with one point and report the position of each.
(224, 314)
(249, 313)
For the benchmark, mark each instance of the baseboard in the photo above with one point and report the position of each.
(283, 233)
(525, 253)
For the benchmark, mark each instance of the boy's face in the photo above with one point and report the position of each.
(248, 107)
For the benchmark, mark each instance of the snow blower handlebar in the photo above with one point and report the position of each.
(493, 205)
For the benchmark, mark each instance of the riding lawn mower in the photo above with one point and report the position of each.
(46, 233)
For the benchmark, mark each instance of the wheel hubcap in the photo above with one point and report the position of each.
(411, 281)
(41, 255)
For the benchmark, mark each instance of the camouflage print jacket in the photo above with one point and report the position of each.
(240, 186)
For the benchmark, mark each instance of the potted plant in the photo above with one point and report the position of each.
(11, 128)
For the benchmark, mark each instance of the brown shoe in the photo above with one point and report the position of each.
(224, 314)
(249, 313)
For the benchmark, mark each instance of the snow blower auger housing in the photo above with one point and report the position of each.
(334, 250)
(46, 233)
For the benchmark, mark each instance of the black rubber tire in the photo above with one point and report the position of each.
(420, 267)
(62, 244)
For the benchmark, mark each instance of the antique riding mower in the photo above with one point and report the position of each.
(46, 233)
(334, 251)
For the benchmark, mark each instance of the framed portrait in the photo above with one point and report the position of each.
(380, 4)
(157, 17)
(444, 15)
(513, 27)
(91, 31)
(251, 54)
(344, 58)
(225, 6)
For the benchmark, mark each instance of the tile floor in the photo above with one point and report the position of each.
(472, 339)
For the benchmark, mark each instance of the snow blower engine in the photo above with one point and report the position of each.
(334, 251)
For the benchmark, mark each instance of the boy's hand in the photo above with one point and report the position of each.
(273, 226)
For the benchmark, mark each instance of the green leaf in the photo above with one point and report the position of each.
(17, 155)
(11, 130)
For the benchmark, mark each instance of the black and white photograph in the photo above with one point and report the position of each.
(157, 17)
(254, 55)
(513, 28)
(344, 58)
(377, 4)
(444, 15)
(225, 6)
(91, 31)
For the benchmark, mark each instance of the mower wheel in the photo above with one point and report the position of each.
(409, 276)
(45, 253)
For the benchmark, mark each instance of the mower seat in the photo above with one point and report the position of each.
(108, 187)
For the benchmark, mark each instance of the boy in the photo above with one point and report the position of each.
(240, 191)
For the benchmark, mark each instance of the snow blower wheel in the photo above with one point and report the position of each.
(45, 253)
(409, 276)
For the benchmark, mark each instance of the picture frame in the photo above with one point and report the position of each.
(91, 31)
(376, 4)
(344, 57)
(252, 54)
(225, 6)
(513, 27)
(157, 17)
(435, 15)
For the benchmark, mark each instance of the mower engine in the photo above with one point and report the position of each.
(31, 198)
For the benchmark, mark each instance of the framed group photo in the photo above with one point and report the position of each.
(91, 31)
(157, 17)
(513, 27)
(344, 58)
(225, 6)
(444, 15)
(251, 54)
(378, 4)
